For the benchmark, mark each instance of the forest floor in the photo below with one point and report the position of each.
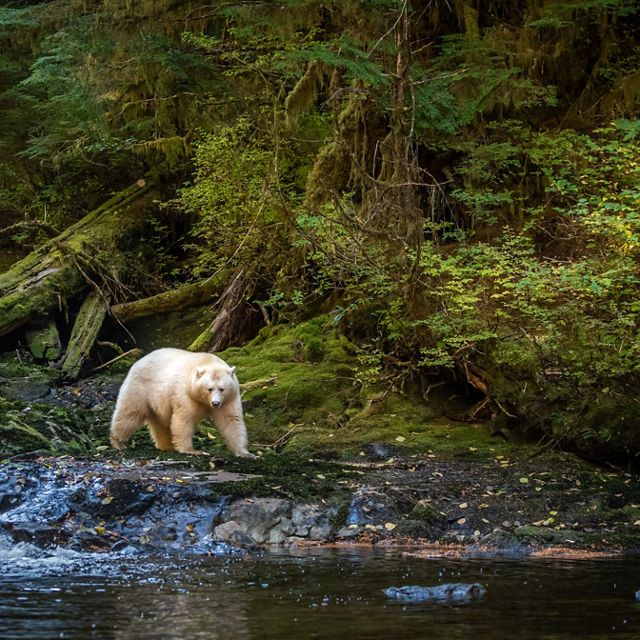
(387, 469)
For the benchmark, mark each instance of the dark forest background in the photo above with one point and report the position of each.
(454, 182)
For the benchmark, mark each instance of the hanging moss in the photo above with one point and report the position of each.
(304, 93)
(329, 175)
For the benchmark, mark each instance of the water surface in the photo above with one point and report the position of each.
(307, 594)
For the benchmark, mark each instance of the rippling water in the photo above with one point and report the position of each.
(307, 594)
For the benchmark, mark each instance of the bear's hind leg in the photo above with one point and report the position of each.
(160, 434)
(123, 425)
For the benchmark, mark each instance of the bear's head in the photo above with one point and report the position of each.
(215, 385)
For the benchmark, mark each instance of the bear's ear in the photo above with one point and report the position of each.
(232, 370)
(199, 372)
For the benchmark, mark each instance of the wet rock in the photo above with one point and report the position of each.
(312, 522)
(42, 535)
(98, 509)
(26, 389)
(273, 521)
(638, 595)
(233, 533)
(454, 592)
(349, 532)
(371, 507)
(119, 496)
(88, 540)
(12, 490)
(264, 520)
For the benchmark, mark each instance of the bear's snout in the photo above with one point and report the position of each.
(215, 403)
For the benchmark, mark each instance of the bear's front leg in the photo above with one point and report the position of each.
(182, 430)
(231, 426)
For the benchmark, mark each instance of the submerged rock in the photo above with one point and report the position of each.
(453, 592)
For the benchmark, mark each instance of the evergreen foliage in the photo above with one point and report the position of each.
(455, 181)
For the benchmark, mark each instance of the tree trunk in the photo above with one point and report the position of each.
(236, 320)
(86, 253)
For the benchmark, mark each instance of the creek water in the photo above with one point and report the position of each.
(313, 593)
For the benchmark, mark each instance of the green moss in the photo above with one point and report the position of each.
(302, 396)
(308, 380)
(530, 534)
(176, 329)
(12, 367)
(44, 342)
(426, 512)
(55, 429)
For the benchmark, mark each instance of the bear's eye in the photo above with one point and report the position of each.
(220, 389)
(210, 389)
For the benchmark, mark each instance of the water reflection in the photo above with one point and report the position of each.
(180, 608)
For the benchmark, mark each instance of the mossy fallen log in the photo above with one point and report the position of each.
(85, 332)
(184, 297)
(86, 253)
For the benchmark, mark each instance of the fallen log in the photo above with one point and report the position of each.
(85, 332)
(184, 297)
(86, 254)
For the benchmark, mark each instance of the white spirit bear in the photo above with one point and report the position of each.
(171, 391)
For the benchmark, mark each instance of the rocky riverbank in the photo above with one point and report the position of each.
(337, 463)
(156, 506)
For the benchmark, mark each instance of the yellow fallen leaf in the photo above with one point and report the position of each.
(463, 505)
(319, 475)
(210, 435)
(390, 526)
(107, 500)
(400, 439)
(461, 521)
(100, 530)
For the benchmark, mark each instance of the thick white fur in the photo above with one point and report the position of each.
(171, 391)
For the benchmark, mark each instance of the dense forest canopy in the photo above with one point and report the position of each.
(454, 181)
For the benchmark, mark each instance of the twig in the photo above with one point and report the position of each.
(122, 355)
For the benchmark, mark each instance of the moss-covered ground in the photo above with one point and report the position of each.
(319, 435)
